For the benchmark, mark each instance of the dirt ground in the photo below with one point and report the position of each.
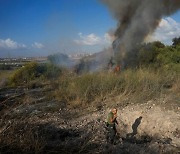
(49, 127)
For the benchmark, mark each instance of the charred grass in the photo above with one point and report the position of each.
(19, 135)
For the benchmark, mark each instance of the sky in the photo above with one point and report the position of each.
(44, 27)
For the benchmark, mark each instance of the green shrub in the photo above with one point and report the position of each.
(32, 71)
(5, 67)
(48, 70)
(24, 74)
(169, 58)
(158, 56)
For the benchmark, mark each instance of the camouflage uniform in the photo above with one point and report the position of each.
(111, 128)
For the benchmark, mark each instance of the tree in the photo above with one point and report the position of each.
(59, 59)
(176, 41)
(148, 53)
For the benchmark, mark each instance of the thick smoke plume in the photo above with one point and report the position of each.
(136, 20)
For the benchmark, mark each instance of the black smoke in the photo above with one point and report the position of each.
(136, 20)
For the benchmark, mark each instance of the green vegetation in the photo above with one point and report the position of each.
(156, 69)
(156, 55)
(5, 67)
(40, 95)
(33, 71)
(60, 59)
(4, 75)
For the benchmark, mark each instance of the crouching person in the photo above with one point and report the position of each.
(111, 125)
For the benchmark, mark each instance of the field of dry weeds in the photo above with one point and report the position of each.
(68, 115)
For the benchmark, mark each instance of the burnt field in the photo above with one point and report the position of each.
(55, 108)
(33, 123)
(108, 85)
(66, 112)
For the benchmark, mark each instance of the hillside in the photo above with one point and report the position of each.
(51, 117)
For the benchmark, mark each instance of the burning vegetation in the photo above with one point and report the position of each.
(45, 108)
(136, 20)
(61, 106)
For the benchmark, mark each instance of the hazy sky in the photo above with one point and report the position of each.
(42, 27)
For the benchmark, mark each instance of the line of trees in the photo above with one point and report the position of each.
(156, 55)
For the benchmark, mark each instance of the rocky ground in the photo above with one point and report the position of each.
(36, 126)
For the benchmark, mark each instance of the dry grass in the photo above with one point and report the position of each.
(4, 75)
(141, 83)
(21, 135)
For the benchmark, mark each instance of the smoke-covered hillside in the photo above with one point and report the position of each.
(129, 91)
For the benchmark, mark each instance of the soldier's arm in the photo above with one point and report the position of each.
(116, 122)
(114, 118)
